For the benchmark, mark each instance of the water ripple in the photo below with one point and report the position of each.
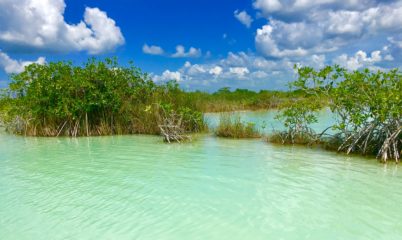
(135, 187)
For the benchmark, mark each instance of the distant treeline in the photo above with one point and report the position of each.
(225, 100)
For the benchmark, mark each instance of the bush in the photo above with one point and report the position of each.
(99, 98)
(297, 117)
(367, 106)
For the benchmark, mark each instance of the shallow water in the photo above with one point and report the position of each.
(136, 187)
(265, 121)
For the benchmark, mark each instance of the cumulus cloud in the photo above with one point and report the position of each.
(306, 33)
(284, 7)
(16, 66)
(297, 28)
(168, 75)
(268, 6)
(243, 17)
(374, 20)
(195, 69)
(344, 22)
(181, 52)
(359, 60)
(247, 70)
(152, 50)
(40, 25)
(217, 70)
(268, 46)
(239, 71)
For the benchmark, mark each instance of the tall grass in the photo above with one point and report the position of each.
(232, 127)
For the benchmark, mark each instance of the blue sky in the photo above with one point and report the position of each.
(204, 44)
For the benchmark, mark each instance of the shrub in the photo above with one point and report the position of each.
(367, 106)
(98, 98)
(297, 117)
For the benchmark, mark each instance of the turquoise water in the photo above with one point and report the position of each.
(265, 120)
(136, 187)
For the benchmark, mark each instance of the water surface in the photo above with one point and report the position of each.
(266, 122)
(136, 187)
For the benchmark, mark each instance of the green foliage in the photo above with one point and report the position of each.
(299, 114)
(225, 100)
(232, 127)
(367, 105)
(5, 102)
(192, 121)
(297, 117)
(98, 98)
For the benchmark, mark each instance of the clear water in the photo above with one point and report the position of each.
(136, 187)
(265, 121)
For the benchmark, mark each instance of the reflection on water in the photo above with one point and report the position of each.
(130, 187)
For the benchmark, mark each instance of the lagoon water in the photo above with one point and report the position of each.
(266, 122)
(136, 187)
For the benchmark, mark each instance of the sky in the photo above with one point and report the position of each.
(204, 44)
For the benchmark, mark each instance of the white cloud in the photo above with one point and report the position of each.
(259, 74)
(386, 16)
(168, 75)
(246, 70)
(16, 66)
(243, 17)
(153, 50)
(233, 59)
(395, 42)
(195, 69)
(388, 57)
(318, 61)
(371, 21)
(181, 52)
(297, 28)
(307, 33)
(344, 22)
(239, 71)
(292, 7)
(359, 60)
(348, 4)
(40, 25)
(217, 70)
(268, 6)
(267, 45)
